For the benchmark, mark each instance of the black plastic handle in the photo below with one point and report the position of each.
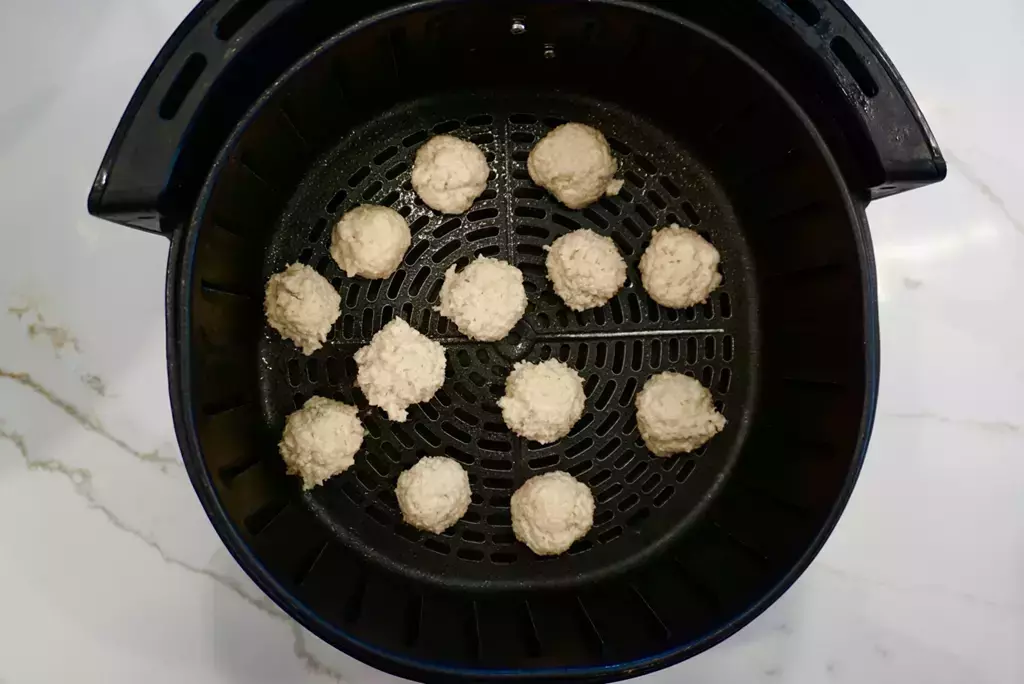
(906, 155)
(195, 91)
(226, 52)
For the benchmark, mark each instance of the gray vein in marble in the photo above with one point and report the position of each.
(18, 441)
(312, 665)
(95, 383)
(88, 422)
(987, 192)
(999, 427)
(58, 337)
(81, 480)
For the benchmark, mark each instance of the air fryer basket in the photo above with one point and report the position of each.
(774, 167)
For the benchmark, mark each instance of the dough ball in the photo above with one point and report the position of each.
(433, 494)
(575, 164)
(485, 300)
(320, 440)
(302, 305)
(400, 367)
(676, 414)
(370, 241)
(542, 400)
(449, 174)
(679, 268)
(551, 511)
(586, 269)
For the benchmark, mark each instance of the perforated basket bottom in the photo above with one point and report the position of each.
(642, 501)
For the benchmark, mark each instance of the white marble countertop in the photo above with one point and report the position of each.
(110, 572)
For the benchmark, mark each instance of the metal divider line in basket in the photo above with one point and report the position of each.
(558, 337)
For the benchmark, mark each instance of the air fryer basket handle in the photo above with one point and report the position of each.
(905, 153)
(131, 186)
(197, 88)
(226, 52)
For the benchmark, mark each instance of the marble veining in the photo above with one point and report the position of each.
(81, 482)
(87, 422)
(972, 177)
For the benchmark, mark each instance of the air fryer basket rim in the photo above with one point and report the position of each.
(144, 182)
(180, 263)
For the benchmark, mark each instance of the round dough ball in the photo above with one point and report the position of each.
(485, 300)
(542, 400)
(370, 241)
(679, 268)
(320, 440)
(449, 174)
(433, 494)
(586, 269)
(400, 367)
(676, 414)
(302, 305)
(575, 164)
(551, 511)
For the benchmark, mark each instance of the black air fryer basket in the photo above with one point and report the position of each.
(766, 125)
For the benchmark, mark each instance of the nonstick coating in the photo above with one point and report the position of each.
(642, 501)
